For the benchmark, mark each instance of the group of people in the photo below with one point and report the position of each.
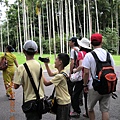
(68, 94)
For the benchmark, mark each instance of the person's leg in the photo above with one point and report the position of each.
(81, 99)
(70, 87)
(105, 116)
(63, 112)
(105, 106)
(76, 93)
(92, 115)
(93, 97)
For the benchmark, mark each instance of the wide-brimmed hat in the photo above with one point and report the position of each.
(84, 42)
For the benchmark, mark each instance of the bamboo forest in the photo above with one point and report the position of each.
(51, 23)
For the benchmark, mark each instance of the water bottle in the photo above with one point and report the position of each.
(96, 77)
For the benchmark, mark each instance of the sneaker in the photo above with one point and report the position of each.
(11, 98)
(74, 114)
(85, 115)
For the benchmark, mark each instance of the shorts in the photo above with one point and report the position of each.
(94, 97)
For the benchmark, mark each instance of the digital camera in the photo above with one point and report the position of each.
(45, 60)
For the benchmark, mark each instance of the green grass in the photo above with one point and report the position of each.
(116, 59)
(21, 59)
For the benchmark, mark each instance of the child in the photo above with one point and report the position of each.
(61, 88)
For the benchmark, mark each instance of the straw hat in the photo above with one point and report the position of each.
(84, 42)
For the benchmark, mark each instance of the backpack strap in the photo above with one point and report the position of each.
(95, 57)
(108, 58)
(75, 58)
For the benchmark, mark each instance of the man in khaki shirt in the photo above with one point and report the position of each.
(21, 77)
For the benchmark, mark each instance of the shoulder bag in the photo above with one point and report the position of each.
(3, 63)
(41, 106)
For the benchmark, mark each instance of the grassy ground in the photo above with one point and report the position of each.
(21, 59)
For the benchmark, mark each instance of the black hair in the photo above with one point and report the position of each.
(85, 49)
(76, 44)
(10, 48)
(65, 58)
(30, 52)
(95, 43)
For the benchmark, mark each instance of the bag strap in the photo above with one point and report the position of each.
(75, 58)
(32, 81)
(66, 76)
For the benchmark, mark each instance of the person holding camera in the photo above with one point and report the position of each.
(21, 78)
(60, 82)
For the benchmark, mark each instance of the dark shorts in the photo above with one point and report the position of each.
(63, 112)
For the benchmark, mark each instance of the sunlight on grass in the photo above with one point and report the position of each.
(21, 59)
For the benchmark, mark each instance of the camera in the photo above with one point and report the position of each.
(45, 60)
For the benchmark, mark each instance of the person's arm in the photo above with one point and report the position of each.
(16, 63)
(46, 82)
(71, 66)
(79, 67)
(50, 73)
(16, 86)
(85, 79)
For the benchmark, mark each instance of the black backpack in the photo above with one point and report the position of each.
(105, 80)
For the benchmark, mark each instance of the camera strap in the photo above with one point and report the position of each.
(32, 81)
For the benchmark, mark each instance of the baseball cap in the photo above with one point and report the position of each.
(84, 42)
(73, 39)
(96, 37)
(30, 46)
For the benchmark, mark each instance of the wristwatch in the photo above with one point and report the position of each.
(85, 85)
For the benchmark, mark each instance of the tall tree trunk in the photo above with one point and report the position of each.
(67, 26)
(1, 39)
(24, 21)
(117, 28)
(19, 28)
(31, 28)
(49, 28)
(28, 28)
(18, 46)
(97, 16)
(90, 29)
(70, 19)
(74, 22)
(8, 29)
(84, 15)
(53, 28)
(60, 24)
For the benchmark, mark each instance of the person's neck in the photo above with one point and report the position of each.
(29, 58)
(97, 46)
(60, 69)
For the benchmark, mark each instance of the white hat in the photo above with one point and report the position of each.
(30, 46)
(84, 42)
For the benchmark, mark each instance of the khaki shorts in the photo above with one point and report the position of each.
(94, 97)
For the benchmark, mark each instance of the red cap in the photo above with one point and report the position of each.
(96, 37)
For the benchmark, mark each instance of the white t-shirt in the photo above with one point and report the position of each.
(72, 52)
(89, 62)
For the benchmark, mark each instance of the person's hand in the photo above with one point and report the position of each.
(86, 89)
(74, 70)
